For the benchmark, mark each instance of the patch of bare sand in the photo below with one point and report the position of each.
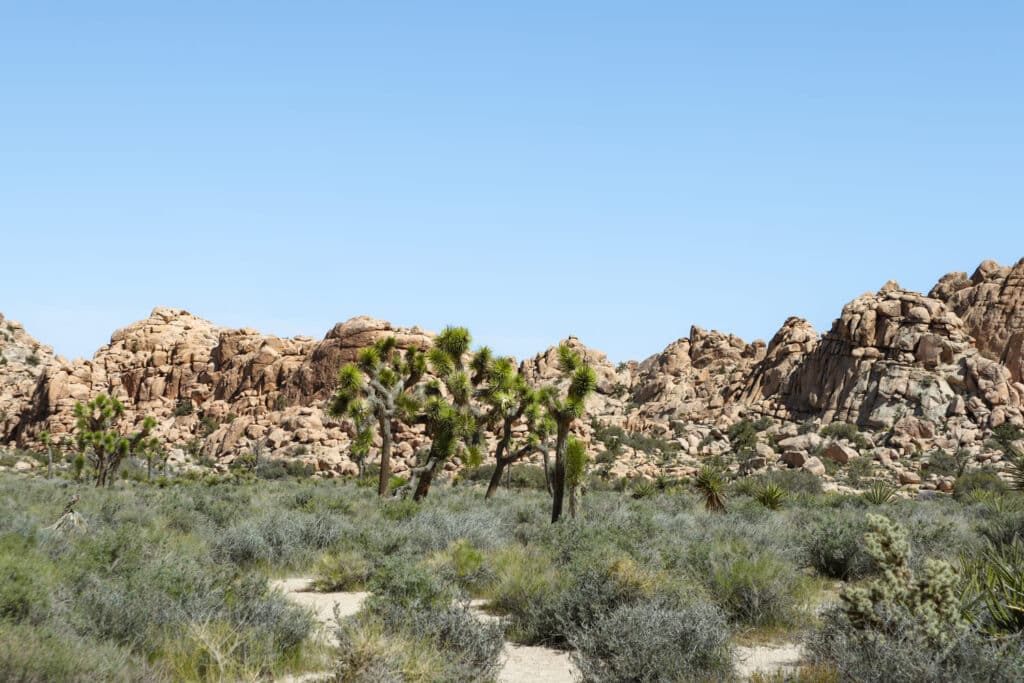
(776, 658)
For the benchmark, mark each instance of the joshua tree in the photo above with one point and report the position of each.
(565, 410)
(379, 383)
(446, 408)
(105, 445)
(509, 399)
(575, 465)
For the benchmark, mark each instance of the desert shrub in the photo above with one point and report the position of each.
(525, 582)
(43, 654)
(978, 480)
(400, 509)
(942, 462)
(408, 585)
(464, 564)
(832, 545)
(911, 622)
(844, 430)
(271, 469)
(284, 538)
(26, 582)
(649, 642)
(756, 589)
(341, 571)
(1005, 434)
(742, 436)
(796, 482)
(417, 645)
(183, 407)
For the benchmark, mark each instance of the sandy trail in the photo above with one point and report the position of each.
(521, 663)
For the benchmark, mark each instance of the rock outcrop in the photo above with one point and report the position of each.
(889, 354)
(991, 305)
(23, 360)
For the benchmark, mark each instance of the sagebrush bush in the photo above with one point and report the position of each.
(652, 643)
(758, 590)
(344, 570)
(833, 545)
(45, 654)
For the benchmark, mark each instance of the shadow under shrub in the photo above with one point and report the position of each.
(650, 642)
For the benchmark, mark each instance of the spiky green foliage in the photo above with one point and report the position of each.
(884, 606)
(447, 410)
(995, 588)
(507, 399)
(710, 484)
(880, 493)
(563, 411)
(377, 388)
(771, 495)
(99, 439)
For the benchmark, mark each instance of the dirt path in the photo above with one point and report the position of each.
(522, 663)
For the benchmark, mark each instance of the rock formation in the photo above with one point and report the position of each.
(912, 371)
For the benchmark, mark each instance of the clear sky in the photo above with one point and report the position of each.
(617, 171)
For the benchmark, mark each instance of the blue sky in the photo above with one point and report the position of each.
(617, 171)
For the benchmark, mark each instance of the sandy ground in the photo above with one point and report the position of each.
(522, 663)
(782, 657)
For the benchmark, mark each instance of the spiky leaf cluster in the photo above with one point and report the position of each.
(97, 436)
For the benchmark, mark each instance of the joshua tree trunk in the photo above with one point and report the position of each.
(558, 479)
(426, 478)
(573, 494)
(385, 456)
(547, 470)
(149, 467)
(49, 461)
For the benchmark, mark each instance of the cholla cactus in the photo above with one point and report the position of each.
(898, 597)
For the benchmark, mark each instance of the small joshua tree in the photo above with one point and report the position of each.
(575, 467)
(379, 384)
(564, 410)
(100, 440)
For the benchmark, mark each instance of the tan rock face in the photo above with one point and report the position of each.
(23, 360)
(694, 378)
(991, 305)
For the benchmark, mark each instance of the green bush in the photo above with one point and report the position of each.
(43, 654)
(978, 480)
(401, 583)
(757, 590)
(341, 571)
(26, 582)
(832, 545)
(843, 430)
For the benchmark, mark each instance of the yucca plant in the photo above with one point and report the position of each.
(994, 594)
(879, 493)
(771, 495)
(378, 384)
(710, 483)
(1016, 470)
(643, 489)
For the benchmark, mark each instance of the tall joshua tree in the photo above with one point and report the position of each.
(446, 408)
(564, 410)
(379, 383)
(104, 445)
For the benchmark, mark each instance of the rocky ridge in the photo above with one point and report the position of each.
(913, 372)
